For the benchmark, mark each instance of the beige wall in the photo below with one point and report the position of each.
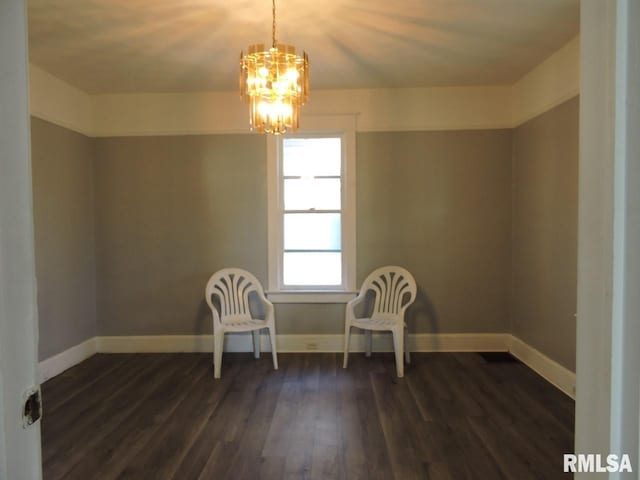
(63, 207)
(170, 211)
(545, 197)
(438, 203)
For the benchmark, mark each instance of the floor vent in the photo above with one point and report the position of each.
(498, 357)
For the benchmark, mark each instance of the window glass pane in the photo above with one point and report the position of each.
(312, 268)
(312, 193)
(312, 231)
(311, 157)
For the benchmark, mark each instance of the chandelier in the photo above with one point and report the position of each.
(275, 84)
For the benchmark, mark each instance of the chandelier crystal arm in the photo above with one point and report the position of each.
(273, 30)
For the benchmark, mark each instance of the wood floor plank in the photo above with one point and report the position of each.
(327, 445)
(355, 457)
(217, 442)
(301, 419)
(82, 407)
(403, 451)
(509, 404)
(511, 463)
(247, 462)
(130, 399)
(184, 407)
(73, 383)
(83, 372)
(77, 423)
(454, 416)
(472, 459)
(138, 425)
(376, 449)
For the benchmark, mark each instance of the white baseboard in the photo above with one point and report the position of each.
(563, 378)
(57, 364)
(156, 344)
(552, 371)
(457, 342)
(421, 342)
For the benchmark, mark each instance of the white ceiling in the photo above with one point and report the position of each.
(118, 46)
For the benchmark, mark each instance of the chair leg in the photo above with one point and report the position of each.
(407, 357)
(256, 343)
(368, 342)
(398, 341)
(347, 339)
(274, 353)
(218, 344)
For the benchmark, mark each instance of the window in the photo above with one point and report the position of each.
(312, 217)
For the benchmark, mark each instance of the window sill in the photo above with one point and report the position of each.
(306, 296)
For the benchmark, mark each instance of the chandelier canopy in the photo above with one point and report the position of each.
(275, 84)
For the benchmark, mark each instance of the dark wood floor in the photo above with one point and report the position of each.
(453, 416)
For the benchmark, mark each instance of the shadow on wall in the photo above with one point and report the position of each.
(422, 316)
(203, 321)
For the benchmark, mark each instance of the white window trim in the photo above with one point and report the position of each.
(344, 126)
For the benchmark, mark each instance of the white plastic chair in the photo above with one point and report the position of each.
(394, 289)
(232, 287)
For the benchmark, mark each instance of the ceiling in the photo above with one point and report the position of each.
(123, 46)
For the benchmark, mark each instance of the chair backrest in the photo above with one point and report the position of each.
(232, 287)
(394, 289)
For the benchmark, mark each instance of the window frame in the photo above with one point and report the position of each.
(278, 292)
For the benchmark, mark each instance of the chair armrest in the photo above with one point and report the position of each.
(351, 304)
(266, 303)
(214, 312)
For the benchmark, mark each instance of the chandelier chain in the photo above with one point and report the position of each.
(273, 32)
